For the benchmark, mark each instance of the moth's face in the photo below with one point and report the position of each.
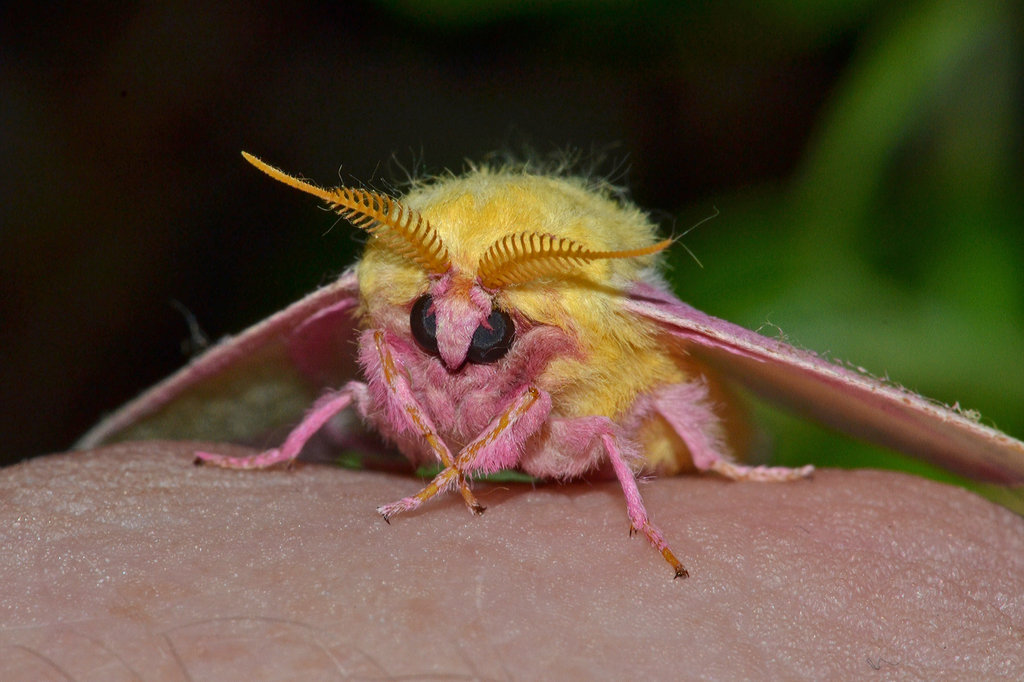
(491, 340)
(469, 262)
(458, 321)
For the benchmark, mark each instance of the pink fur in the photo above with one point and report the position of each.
(460, 308)
(462, 403)
(570, 448)
(686, 409)
(502, 446)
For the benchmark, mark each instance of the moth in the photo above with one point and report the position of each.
(508, 320)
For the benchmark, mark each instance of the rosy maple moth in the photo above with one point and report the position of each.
(508, 320)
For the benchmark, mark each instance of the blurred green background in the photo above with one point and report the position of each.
(865, 159)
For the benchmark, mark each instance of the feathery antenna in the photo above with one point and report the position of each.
(403, 230)
(526, 256)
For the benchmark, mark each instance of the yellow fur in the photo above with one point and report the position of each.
(622, 356)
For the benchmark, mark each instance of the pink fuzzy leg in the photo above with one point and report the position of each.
(402, 401)
(761, 474)
(685, 407)
(323, 410)
(635, 505)
(498, 447)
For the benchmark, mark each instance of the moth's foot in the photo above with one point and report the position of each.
(410, 503)
(443, 482)
(761, 474)
(474, 507)
(657, 540)
(403, 505)
(659, 543)
(265, 459)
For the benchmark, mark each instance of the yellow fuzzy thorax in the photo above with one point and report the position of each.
(620, 357)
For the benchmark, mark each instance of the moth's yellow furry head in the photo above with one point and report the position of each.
(553, 250)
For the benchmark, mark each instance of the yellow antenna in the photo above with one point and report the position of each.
(526, 256)
(403, 229)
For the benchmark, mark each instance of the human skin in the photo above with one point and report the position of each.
(130, 563)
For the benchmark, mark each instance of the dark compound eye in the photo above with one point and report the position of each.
(424, 324)
(492, 340)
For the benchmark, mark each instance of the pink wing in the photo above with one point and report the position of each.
(858, 404)
(249, 385)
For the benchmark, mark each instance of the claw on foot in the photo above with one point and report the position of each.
(389, 510)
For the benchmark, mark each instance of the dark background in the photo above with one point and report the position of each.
(865, 158)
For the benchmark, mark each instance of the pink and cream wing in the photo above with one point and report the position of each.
(252, 384)
(855, 403)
